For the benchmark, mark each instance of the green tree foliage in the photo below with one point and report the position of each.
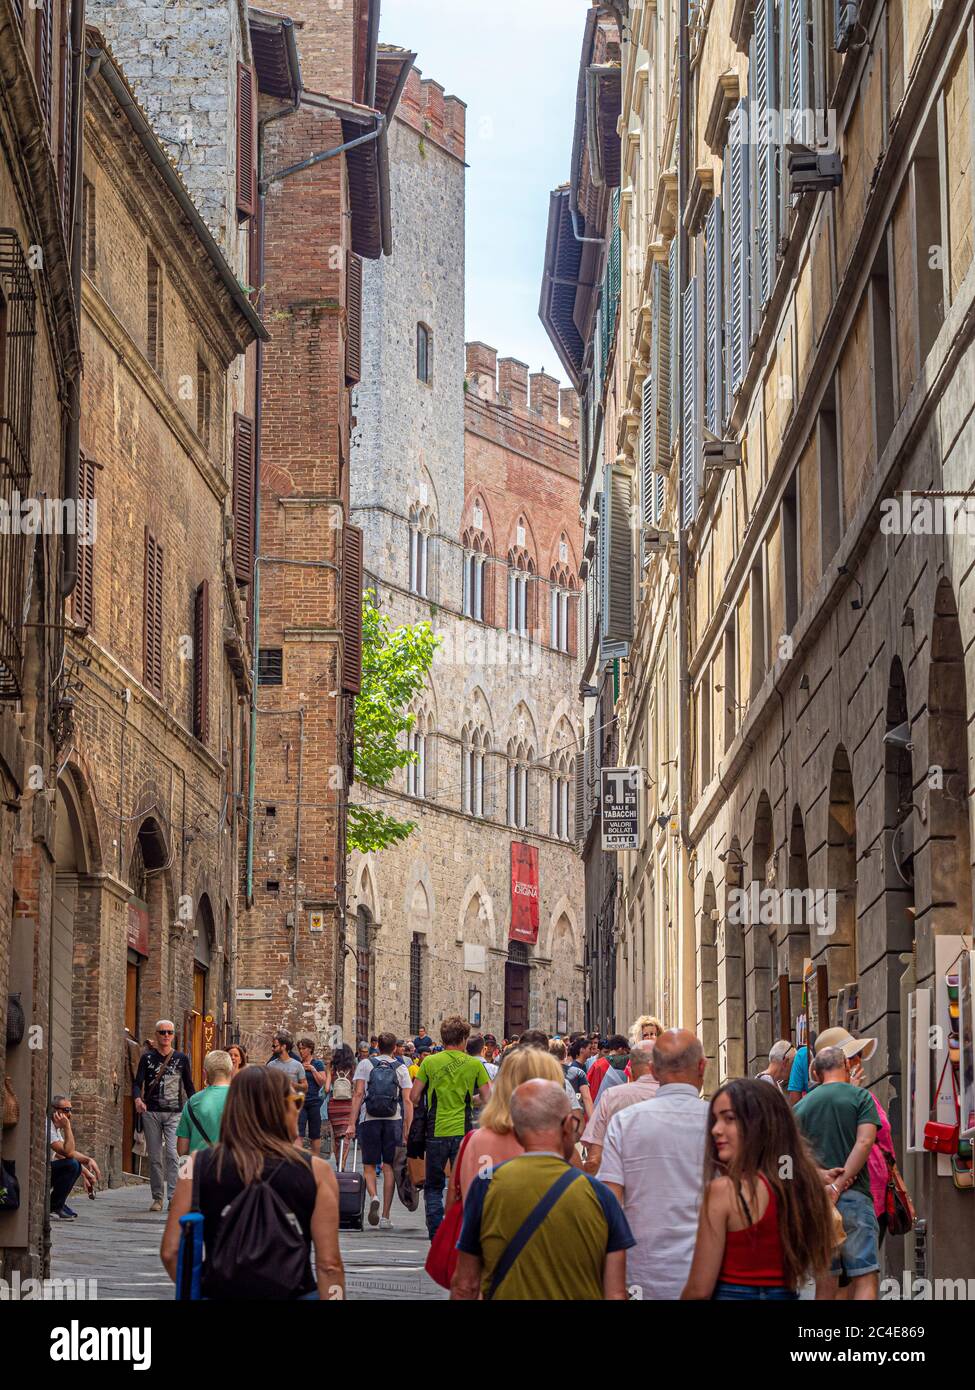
(395, 665)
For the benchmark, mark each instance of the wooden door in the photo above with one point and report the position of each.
(515, 998)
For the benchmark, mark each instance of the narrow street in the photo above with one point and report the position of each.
(115, 1242)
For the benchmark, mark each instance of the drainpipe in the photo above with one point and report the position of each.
(683, 604)
(72, 434)
(589, 240)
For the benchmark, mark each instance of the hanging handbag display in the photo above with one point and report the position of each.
(939, 1136)
(898, 1207)
(16, 1022)
(9, 1185)
(11, 1105)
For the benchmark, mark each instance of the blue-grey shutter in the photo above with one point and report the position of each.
(739, 298)
(766, 150)
(799, 70)
(616, 564)
(714, 321)
(673, 292)
(690, 452)
(648, 442)
(661, 340)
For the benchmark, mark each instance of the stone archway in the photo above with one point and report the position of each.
(707, 981)
(730, 969)
(838, 950)
(758, 950)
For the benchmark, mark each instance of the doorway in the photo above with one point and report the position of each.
(516, 989)
(131, 1024)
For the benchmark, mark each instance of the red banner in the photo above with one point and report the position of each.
(524, 893)
(138, 927)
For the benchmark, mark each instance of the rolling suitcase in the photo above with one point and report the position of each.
(352, 1194)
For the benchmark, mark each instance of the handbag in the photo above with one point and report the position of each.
(9, 1185)
(898, 1207)
(11, 1105)
(442, 1256)
(16, 1022)
(939, 1136)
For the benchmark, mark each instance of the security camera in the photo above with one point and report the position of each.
(899, 736)
(812, 171)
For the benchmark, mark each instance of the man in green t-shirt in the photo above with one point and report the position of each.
(199, 1124)
(840, 1121)
(451, 1079)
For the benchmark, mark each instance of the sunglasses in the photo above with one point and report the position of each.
(165, 1032)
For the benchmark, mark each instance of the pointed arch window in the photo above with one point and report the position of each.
(475, 561)
(474, 747)
(422, 528)
(560, 781)
(519, 764)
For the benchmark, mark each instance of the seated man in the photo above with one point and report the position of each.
(68, 1163)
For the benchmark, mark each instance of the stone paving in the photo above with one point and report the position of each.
(115, 1242)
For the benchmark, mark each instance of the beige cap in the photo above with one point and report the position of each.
(851, 1046)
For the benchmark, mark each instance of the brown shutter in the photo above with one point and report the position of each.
(44, 60)
(243, 498)
(83, 596)
(353, 319)
(153, 614)
(352, 610)
(64, 102)
(201, 663)
(246, 142)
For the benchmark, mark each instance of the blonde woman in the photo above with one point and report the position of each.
(645, 1028)
(494, 1141)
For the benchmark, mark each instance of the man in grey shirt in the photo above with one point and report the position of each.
(282, 1043)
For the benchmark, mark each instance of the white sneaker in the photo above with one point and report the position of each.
(385, 1224)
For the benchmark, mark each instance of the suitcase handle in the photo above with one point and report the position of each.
(355, 1153)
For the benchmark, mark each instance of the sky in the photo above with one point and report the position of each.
(515, 63)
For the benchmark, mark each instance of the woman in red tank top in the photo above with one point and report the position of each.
(765, 1220)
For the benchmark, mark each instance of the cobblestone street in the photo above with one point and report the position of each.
(115, 1242)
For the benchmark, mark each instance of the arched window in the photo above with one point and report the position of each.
(422, 527)
(519, 763)
(559, 784)
(520, 576)
(419, 742)
(476, 551)
(424, 354)
(474, 745)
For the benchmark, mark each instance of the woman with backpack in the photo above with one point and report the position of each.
(340, 1103)
(263, 1202)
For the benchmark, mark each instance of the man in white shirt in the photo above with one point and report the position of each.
(382, 1084)
(642, 1085)
(653, 1162)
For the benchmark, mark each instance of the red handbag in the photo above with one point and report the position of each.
(898, 1207)
(442, 1256)
(939, 1137)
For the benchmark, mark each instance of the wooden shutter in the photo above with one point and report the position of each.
(243, 498)
(201, 663)
(153, 614)
(647, 443)
(674, 343)
(83, 596)
(690, 447)
(659, 423)
(353, 319)
(352, 610)
(44, 61)
(799, 67)
(766, 150)
(739, 298)
(713, 322)
(616, 564)
(246, 142)
(579, 794)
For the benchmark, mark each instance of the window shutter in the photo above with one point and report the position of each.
(353, 319)
(738, 241)
(691, 403)
(83, 596)
(243, 498)
(352, 610)
(44, 60)
(153, 614)
(660, 368)
(246, 142)
(766, 149)
(201, 663)
(617, 564)
(799, 67)
(674, 353)
(714, 322)
(648, 442)
(579, 795)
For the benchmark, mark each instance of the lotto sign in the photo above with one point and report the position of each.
(621, 807)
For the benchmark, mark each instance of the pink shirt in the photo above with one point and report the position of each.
(483, 1149)
(612, 1101)
(876, 1163)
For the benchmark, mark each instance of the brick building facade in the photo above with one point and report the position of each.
(464, 485)
(40, 364)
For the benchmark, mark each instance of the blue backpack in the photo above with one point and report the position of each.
(382, 1089)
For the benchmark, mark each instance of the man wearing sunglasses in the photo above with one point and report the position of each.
(163, 1076)
(68, 1163)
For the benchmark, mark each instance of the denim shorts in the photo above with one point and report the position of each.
(859, 1253)
(727, 1292)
